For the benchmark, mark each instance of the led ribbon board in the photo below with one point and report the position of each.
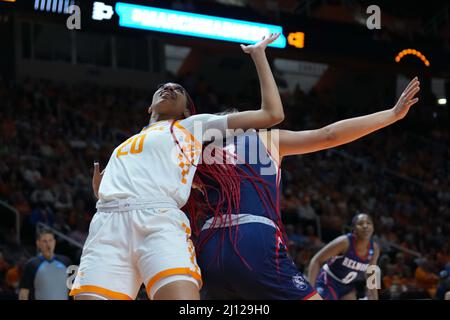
(195, 25)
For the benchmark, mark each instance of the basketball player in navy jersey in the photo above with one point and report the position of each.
(336, 268)
(243, 255)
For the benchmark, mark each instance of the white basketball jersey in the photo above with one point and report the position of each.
(150, 165)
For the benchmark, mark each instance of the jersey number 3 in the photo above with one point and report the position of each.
(137, 145)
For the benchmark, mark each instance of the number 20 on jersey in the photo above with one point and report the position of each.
(133, 145)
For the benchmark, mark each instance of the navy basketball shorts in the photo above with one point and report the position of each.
(329, 288)
(258, 266)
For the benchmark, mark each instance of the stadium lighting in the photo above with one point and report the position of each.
(296, 39)
(102, 11)
(195, 25)
(442, 101)
(414, 52)
(59, 6)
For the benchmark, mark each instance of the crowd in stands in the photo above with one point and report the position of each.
(52, 133)
(398, 175)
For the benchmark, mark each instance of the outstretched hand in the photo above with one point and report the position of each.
(261, 45)
(407, 99)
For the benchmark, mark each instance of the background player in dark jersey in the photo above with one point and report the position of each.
(243, 255)
(336, 268)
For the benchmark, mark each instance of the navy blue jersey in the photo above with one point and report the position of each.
(258, 265)
(338, 276)
(253, 158)
(351, 267)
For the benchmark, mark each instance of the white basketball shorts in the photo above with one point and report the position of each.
(132, 242)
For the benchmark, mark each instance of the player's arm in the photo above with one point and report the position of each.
(345, 131)
(271, 111)
(372, 294)
(96, 178)
(334, 248)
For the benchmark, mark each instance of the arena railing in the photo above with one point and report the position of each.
(42, 226)
(16, 216)
(400, 248)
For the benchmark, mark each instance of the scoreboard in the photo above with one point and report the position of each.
(156, 16)
(312, 38)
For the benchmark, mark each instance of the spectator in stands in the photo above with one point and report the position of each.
(425, 278)
(44, 277)
(305, 210)
(298, 237)
(443, 289)
(78, 212)
(6, 292)
(32, 174)
(13, 275)
(80, 232)
(41, 213)
(63, 197)
(21, 204)
(313, 240)
(3, 265)
(400, 266)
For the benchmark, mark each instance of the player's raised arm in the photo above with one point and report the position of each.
(345, 131)
(271, 112)
(334, 248)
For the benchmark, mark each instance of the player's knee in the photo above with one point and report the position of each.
(177, 290)
(88, 297)
(315, 297)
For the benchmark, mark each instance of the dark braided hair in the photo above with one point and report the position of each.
(226, 184)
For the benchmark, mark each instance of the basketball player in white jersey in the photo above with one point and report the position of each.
(278, 143)
(139, 234)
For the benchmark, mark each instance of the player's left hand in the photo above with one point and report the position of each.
(96, 178)
(261, 45)
(407, 99)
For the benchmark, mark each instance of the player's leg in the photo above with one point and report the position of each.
(213, 261)
(230, 268)
(315, 297)
(349, 296)
(278, 276)
(258, 266)
(106, 269)
(178, 290)
(324, 287)
(166, 255)
(326, 292)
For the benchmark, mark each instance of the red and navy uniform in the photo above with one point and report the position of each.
(247, 258)
(338, 275)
